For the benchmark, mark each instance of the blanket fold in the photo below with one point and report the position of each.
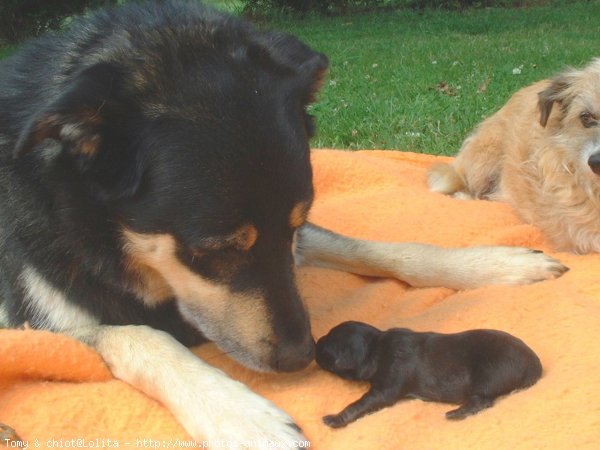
(53, 388)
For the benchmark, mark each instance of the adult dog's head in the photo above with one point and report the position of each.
(576, 123)
(191, 131)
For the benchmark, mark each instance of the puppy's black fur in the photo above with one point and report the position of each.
(471, 368)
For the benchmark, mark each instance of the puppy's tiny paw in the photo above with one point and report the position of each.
(456, 414)
(334, 421)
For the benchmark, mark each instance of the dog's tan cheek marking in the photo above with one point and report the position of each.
(158, 251)
(244, 316)
(149, 284)
(299, 214)
(249, 319)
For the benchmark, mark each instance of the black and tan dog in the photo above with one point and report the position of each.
(471, 368)
(155, 183)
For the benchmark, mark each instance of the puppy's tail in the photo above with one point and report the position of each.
(444, 178)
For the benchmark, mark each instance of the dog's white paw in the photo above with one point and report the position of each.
(230, 415)
(506, 265)
(423, 265)
(518, 265)
(216, 411)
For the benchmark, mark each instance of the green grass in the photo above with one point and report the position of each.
(386, 68)
(382, 89)
(6, 51)
(230, 6)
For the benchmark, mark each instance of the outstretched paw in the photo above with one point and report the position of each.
(334, 421)
(474, 267)
(519, 265)
(472, 406)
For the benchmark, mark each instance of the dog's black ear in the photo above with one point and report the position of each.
(89, 120)
(558, 91)
(76, 117)
(292, 57)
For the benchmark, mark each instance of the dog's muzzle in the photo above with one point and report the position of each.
(594, 163)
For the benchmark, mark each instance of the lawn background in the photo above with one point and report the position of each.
(421, 81)
(388, 69)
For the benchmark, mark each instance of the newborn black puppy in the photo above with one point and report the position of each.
(471, 368)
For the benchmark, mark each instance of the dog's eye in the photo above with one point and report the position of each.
(588, 119)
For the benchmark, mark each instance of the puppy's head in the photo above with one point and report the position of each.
(195, 143)
(576, 122)
(348, 350)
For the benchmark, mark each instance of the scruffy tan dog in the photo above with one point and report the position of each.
(545, 161)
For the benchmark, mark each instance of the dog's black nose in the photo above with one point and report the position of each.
(594, 163)
(291, 357)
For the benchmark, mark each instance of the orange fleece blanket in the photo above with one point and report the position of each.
(53, 389)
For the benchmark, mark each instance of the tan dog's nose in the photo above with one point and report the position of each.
(594, 163)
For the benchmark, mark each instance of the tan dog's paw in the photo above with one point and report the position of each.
(465, 268)
(512, 266)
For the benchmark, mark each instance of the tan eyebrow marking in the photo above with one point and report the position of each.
(299, 214)
(243, 238)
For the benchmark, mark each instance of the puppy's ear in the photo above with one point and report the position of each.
(370, 361)
(558, 91)
(291, 57)
(89, 121)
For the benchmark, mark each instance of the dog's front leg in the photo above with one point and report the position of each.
(206, 402)
(424, 265)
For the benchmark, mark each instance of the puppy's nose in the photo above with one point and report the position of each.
(323, 355)
(594, 163)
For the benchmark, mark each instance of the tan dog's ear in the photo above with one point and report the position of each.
(558, 91)
(546, 99)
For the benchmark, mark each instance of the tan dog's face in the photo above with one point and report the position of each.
(577, 122)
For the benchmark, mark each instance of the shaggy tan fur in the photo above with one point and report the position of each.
(535, 156)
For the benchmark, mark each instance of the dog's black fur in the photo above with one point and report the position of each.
(162, 118)
(471, 368)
